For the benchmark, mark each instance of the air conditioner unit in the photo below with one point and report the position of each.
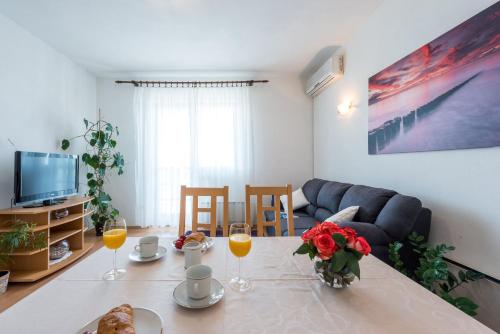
(329, 72)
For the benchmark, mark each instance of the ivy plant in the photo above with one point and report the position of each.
(101, 157)
(433, 272)
(21, 236)
(395, 257)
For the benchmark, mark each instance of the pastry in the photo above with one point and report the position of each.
(120, 320)
(195, 236)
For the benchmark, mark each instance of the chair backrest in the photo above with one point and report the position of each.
(260, 192)
(213, 193)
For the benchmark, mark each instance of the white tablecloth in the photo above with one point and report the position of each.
(285, 298)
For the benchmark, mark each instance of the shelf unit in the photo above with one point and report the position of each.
(31, 265)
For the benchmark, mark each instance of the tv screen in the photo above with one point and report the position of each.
(44, 176)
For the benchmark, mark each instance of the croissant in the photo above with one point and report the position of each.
(195, 236)
(120, 320)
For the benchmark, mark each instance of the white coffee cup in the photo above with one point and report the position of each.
(192, 253)
(199, 281)
(148, 246)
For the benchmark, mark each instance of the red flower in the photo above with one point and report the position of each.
(325, 245)
(350, 236)
(361, 245)
(311, 233)
(329, 227)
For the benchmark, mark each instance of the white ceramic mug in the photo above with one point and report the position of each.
(192, 253)
(148, 246)
(199, 281)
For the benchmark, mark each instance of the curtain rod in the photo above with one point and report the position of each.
(170, 84)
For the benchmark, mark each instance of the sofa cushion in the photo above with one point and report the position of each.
(398, 216)
(311, 189)
(311, 210)
(346, 215)
(371, 232)
(321, 214)
(331, 194)
(370, 201)
(298, 200)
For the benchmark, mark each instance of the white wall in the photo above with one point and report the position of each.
(462, 187)
(43, 98)
(282, 122)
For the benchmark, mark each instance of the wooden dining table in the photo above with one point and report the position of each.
(286, 296)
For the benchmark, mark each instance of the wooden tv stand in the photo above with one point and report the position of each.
(31, 265)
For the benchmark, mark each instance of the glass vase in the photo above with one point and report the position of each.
(338, 280)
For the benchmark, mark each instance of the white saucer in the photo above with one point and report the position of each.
(206, 243)
(146, 321)
(136, 257)
(182, 299)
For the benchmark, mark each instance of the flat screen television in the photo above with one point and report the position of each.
(44, 177)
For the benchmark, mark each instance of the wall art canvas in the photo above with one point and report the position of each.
(443, 96)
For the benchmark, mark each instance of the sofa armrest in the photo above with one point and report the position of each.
(399, 215)
(422, 225)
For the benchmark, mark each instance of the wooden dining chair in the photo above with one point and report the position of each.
(213, 193)
(260, 192)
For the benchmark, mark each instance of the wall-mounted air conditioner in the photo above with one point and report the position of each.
(329, 72)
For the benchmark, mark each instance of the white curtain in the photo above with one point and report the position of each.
(200, 137)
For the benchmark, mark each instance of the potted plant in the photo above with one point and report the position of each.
(101, 158)
(336, 251)
(21, 237)
(433, 273)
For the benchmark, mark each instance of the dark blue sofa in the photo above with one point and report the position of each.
(384, 215)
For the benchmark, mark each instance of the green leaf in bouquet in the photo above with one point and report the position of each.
(303, 249)
(339, 260)
(356, 253)
(311, 254)
(339, 240)
(353, 264)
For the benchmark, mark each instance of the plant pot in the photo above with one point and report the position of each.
(337, 280)
(99, 230)
(4, 280)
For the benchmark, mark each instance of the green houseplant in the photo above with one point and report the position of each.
(433, 273)
(21, 237)
(101, 157)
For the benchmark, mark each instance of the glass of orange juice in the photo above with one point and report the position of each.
(114, 236)
(240, 243)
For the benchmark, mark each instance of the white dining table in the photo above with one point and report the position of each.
(286, 296)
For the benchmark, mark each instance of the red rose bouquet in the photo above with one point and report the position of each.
(337, 251)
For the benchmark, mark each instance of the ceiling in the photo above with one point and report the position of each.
(108, 36)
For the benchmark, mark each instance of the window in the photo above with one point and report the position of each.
(193, 136)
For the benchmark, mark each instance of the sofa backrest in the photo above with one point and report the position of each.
(394, 213)
(311, 189)
(370, 201)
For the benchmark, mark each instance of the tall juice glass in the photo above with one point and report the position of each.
(240, 243)
(114, 236)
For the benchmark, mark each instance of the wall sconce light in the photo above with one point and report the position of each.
(344, 108)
